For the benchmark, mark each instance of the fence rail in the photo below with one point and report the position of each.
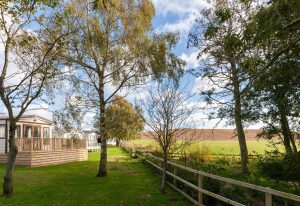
(199, 187)
(49, 144)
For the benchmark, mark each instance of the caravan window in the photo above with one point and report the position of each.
(37, 131)
(2, 131)
(27, 131)
(18, 132)
(46, 132)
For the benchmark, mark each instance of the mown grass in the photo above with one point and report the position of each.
(128, 183)
(220, 147)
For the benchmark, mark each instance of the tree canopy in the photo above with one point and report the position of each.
(123, 120)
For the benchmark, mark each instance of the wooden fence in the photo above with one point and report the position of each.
(49, 144)
(269, 193)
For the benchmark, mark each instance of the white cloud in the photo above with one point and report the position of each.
(202, 84)
(182, 25)
(185, 11)
(178, 7)
(88, 121)
(68, 70)
(40, 109)
(190, 59)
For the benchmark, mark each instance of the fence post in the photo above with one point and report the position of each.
(175, 173)
(200, 185)
(268, 199)
(161, 166)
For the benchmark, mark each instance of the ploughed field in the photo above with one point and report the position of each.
(128, 183)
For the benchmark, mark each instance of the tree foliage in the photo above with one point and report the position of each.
(219, 36)
(275, 97)
(123, 120)
(274, 31)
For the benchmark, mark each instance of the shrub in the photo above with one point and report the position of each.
(280, 167)
(201, 154)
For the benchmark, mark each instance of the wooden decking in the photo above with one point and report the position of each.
(48, 151)
(43, 158)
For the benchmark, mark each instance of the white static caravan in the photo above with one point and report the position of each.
(111, 142)
(67, 134)
(73, 134)
(91, 140)
(36, 144)
(29, 126)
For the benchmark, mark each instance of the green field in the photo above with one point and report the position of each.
(128, 183)
(219, 147)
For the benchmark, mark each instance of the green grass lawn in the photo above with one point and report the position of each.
(220, 147)
(128, 183)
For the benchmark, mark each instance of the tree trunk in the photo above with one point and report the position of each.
(164, 174)
(117, 142)
(238, 121)
(11, 159)
(286, 132)
(102, 172)
(294, 144)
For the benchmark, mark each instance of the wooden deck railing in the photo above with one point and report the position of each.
(49, 144)
(199, 187)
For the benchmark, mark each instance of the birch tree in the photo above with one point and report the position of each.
(112, 51)
(31, 44)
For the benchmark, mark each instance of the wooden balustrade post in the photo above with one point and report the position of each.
(31, 144)
(71, 143)
(200, 185)
(175, 173)
(268, 199)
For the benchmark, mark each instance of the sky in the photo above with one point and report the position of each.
(179, 16)
(170, 16)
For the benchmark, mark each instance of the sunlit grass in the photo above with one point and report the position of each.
(220, 147)
(128, 183)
